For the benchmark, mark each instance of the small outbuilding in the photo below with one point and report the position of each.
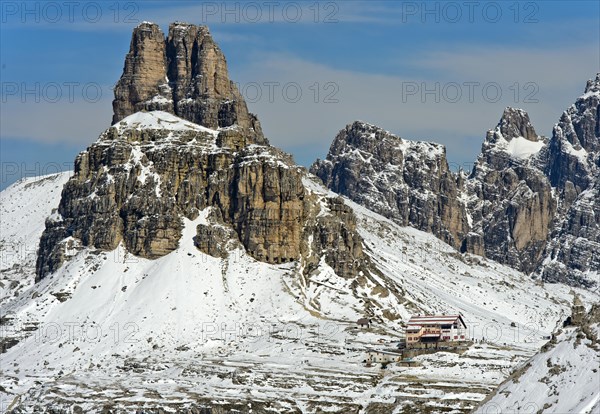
(382, 356)
(363, 322)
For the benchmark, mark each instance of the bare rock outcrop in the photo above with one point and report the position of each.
(149, 172)
(180, 149)
(407, 181)
(530, 202)
(510, 199)
(572, 162)
(184, 74)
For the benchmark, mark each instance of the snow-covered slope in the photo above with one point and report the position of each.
(112, 329)
(521, 148)
(564, 378)
(24, 207)
(159, 120)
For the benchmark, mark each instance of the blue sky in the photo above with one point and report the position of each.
(368, 60)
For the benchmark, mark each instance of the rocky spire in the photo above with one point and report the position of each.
(593, 85)
(143, 74)
(515, 123)
(185, 74)
(509, 195)
(150, 170)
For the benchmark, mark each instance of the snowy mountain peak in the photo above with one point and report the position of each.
(395, 177)
(359, 134)
(367, 137)
(145, 24)
(179, 23)
(515, 123)
(509, 199)
(572, 164)
(358, 124)
(593, 85)
(513, 139)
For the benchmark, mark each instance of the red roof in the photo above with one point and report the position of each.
(434, 319)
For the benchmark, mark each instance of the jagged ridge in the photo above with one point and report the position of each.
(529, 202)
(407, 181)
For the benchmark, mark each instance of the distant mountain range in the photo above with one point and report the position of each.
(530, 202)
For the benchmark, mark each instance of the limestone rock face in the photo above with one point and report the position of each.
(542, 194)
(510, 196)
(335, 234)
(215, 239)
(409, 182)
(575, 145)
(267, 209)
(572, 162)
(149, 172)
(572, 254)
(144, 74)
(530, 202)
(578, 313)
(474, 243)
(185, 74)
(180, 149)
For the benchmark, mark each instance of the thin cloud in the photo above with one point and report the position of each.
(333, 97)
(382, 99)
(73, 123)
(108, 17)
